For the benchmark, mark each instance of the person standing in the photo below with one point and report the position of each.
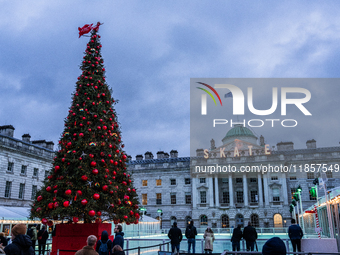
(34, 235)
(119, 238)
(89, 249)
(42, 237)
(209, 239)
(175, 235)
(295, 234)
(21, 243)
(104, 245)
(191, 233)
(250, 235)
(3, 239)
(236, 238)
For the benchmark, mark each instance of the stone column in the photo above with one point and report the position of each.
(265, 185)
(217, 196)
(211, 192)
(260, 193)
(245, 190)
(231, 191)
(284, 189)
(194, 192)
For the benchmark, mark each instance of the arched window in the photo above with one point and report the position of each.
(204, 220)
(277, 220)
(172, 220)
(225, 221)
(239, 220)
(187, 220)
(254, 219)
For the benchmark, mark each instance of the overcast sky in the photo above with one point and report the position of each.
(151, 49)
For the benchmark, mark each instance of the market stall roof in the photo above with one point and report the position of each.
(14, 213)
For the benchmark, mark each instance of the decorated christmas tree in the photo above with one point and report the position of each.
(88, 180)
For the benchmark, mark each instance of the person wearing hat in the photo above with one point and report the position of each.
(21, 243)
(274, 246)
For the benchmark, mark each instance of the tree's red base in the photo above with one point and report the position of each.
(73, 237)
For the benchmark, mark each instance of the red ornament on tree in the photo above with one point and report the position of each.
(66, 204)
(92, 213)
(96, 196)
(84, 202)
(39, 198)
(75, 219)
(68, 192)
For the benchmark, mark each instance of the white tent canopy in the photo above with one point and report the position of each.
(14, 213)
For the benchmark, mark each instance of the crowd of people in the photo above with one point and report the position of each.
(23, 242)
(273, 246)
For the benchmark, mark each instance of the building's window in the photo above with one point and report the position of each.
(46, 174)
(253, 196)
(292, 191)
(254, 219)
(23, 170)
(158, 198)
(329, 174)
(277, 220)
(172, 220)
(202, 180)
(8, 189)
(173, 198)
(253, 180)
(276, 195)
(310, 175)
(144, 183)
(144, 199)
(187, 198)
(239, 180)
(187, 181)
(35, 172)
(34, 191)
(225, 197)
(225, 180)
(172, 181)
(204, 220)
(10, 167)
(274, 178)
(22, 190)
(239, 196)
(158, 182)
(225, 221)
(203, 197)
(292, 178)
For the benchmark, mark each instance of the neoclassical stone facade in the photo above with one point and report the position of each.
(174, 185)
(23, 166)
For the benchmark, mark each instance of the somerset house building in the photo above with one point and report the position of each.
(173, 188)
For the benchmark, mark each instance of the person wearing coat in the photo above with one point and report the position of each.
(42, 237)
(21, 243)
(104, 240)
(89, 248)
(209, 238)
(236, 238)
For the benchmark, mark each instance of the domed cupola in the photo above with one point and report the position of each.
(239, 132)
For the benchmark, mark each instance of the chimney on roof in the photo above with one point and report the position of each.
(41, 143)
(26, 138)
(139, 157)
(311, 144)
(199, 153)
(285, 146)
(160, 154)
(166, 155)
(262, 141)
(148, 155)
(129, 157)
(173, 154)
(49, 145)
(7, 130)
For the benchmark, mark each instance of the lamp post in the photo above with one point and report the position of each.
(299, 189)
